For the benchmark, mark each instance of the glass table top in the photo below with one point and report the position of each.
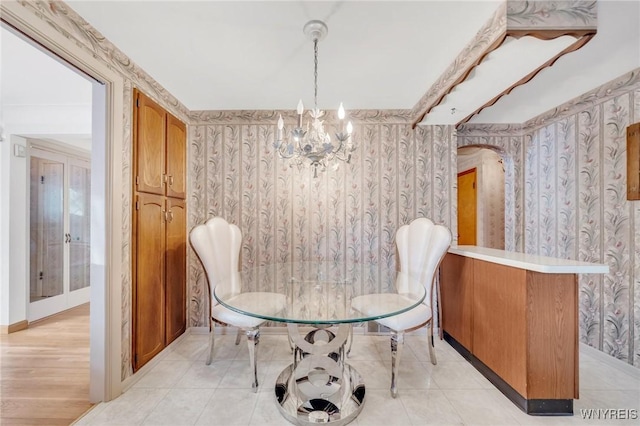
(319, 292)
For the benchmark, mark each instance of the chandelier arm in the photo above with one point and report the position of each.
(282, 152)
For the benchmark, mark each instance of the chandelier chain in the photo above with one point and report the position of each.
(315, 72)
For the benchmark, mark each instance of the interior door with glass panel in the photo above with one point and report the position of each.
(59, 233)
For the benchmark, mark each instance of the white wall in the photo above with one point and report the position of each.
(5, 158)
(18, 233)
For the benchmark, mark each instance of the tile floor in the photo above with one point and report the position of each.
(181, 390)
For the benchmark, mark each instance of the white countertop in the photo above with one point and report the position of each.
(530, 262)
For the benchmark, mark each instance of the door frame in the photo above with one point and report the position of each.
(67, 300)
(106, 177)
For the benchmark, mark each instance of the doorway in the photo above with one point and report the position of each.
(467, 207)
(481, 197)
(106, 107)
(59, 231)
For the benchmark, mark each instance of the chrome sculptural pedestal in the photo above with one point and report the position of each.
(319, 386)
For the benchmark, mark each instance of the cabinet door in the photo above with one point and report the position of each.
(148, 289)
(149, 144)
(176, 157)
(456, 287)
(176, 269)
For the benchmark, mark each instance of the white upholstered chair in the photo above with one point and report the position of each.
(217, 244)
(421, 247)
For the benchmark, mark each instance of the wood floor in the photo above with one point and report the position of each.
(44, 371)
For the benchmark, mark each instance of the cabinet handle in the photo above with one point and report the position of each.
(164, 215)
(169, 216)
(170, 179)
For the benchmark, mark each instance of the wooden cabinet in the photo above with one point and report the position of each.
(148, 288)
(176, 269)
(516, 326)
(160, 143)
(159, 230)
(176, 158)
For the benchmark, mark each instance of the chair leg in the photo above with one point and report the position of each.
(253, 338)
(397, 342)
(238, 334)
(349, 339)
(432, 349)
(291, 345)
(210, 349)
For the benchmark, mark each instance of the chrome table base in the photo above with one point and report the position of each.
(319, 387)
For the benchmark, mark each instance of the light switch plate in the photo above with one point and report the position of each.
(19, 151)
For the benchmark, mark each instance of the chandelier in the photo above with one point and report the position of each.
(311, 142)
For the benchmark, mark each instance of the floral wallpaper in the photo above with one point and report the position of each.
(574, 203)
(348, 214)
(398, 173)
(577, 14)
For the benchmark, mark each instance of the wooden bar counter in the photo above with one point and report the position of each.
(514, 317)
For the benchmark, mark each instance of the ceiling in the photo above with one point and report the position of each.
(42, 97)
(214, 55)
(253, 54)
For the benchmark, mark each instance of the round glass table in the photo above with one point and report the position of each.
(327, 297)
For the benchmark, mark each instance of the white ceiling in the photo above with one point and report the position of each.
(31, 77)
(379, 54)
(253, 54)
(42, 97)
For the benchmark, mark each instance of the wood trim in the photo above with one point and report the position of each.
(571, 48)
(460, 79)
(550, 34)
(12, 328)
(466, 172)
(633, 162)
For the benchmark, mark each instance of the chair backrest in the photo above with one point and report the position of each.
(217, 244)
(421, 246)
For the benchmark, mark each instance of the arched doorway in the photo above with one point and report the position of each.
(481, 197)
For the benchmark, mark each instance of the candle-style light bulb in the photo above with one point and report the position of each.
(349, 128)
(341, 112)
(300, 110)
(280, 127)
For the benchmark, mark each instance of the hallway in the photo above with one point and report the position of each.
(44, 371)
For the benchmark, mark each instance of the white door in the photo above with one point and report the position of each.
(59, 232)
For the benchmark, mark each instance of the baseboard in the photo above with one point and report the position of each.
(12, 328)
(610, 361)
(535, 407)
